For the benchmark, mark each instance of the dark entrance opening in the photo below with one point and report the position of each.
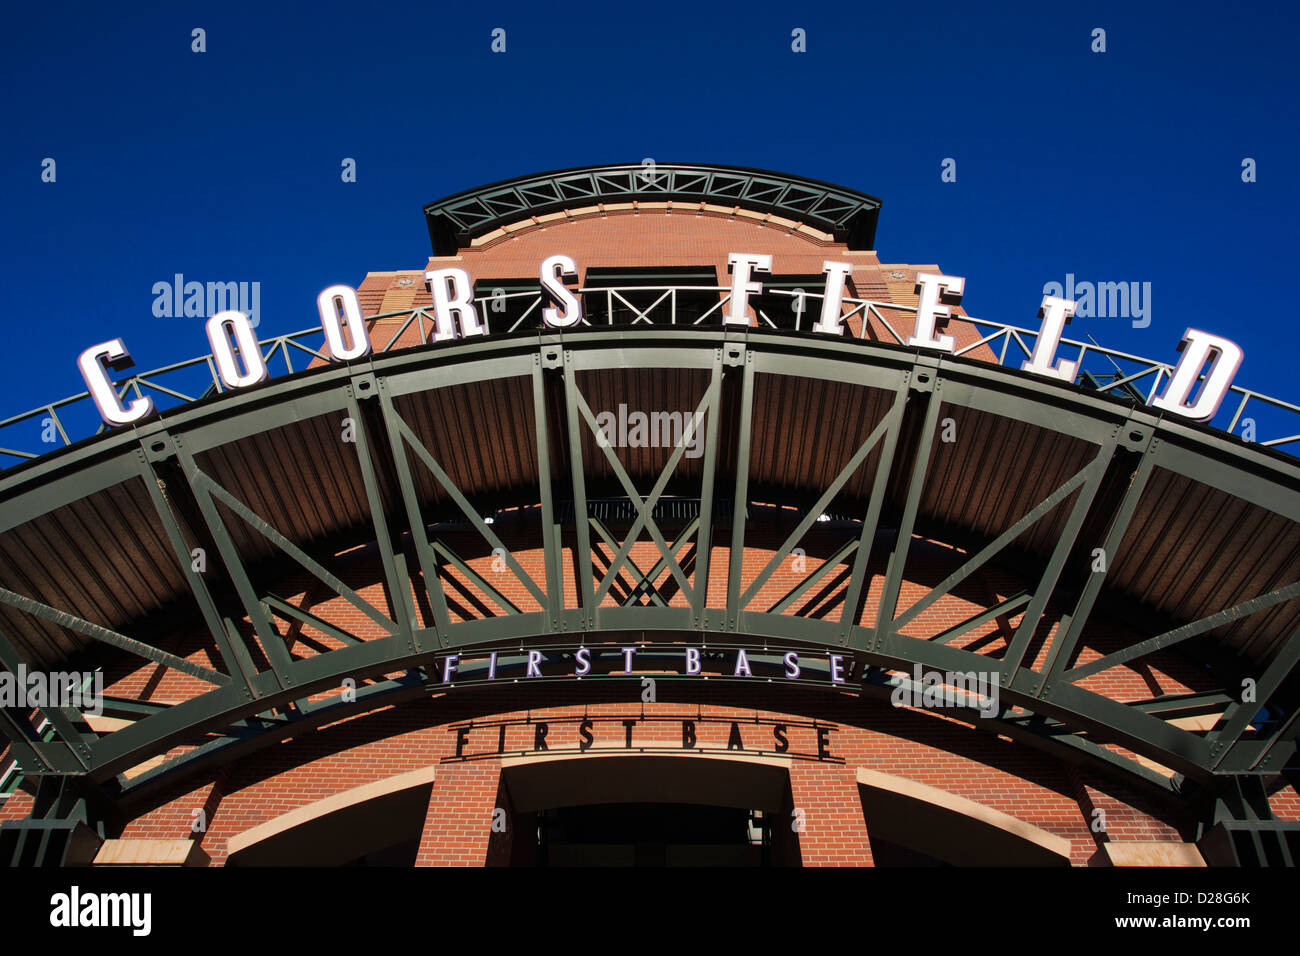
(399, 855)
(649, 834)
(630, 809)
(885, 853)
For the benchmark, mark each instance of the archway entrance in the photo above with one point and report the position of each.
(650, 810)
(378, 824)
(913, 824)
(651, 834)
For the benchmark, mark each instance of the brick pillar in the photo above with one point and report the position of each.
(834, 833)
(1114, 817)
(458, 824)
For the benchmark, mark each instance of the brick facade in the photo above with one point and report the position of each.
(929, 747)
(1033, 786)
(925, 747)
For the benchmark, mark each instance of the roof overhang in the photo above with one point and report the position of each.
(846, 214)
(261, 451)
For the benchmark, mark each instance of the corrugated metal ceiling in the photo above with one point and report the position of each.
(1190, 550)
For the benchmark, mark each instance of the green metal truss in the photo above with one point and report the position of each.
(848, 215)
(250, 705)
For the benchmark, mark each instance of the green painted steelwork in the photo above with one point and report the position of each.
(848, 215)
(250, 706)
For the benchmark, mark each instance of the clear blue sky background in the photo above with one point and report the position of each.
(225, 165)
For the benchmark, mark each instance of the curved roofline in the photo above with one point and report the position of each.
(456, 220)
(171, 386)
(182, 458)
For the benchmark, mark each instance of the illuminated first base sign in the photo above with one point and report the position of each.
(240, 363)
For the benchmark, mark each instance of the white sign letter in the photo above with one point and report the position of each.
(219, 328)
(742, 264)
(553, 267)
(340, 301)
(1055, 313)
(929, 311)
(453, 295)
(92, 364)
(836, 273)
(1196, 348)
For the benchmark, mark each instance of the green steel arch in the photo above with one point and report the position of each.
(1112, 465)
(850, 216)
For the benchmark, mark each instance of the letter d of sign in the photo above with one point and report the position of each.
(219, 329)
(93, 362)
(1196, 347)
(338, 304)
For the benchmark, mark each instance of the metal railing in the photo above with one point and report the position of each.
(1105, 370)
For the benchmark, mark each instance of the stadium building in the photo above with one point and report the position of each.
(639, 583)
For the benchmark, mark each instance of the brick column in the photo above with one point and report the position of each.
(834, 833)
(458, 824)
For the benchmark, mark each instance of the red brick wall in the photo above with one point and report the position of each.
(924, 747)
(928, 747)
(657, 238)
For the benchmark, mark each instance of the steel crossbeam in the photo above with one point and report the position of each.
(249, 700)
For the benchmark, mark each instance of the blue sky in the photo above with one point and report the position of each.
(224, 165)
